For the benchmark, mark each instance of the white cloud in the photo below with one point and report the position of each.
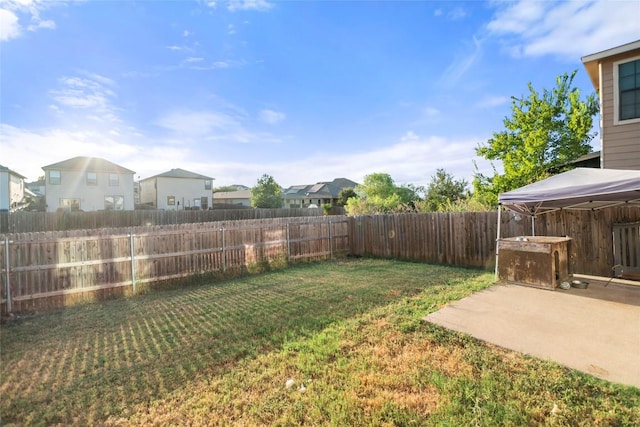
(197, 123)
(47, 24)
(187, 33)
(194, 59)
(29, 150)
(89, 92)
(457, 13)
(215, 65)
(462, 63)
(411, 159)
(9, 26)
(224, 126)
(231, 29)
(177, 48)
(492, 101)
(570, 29)
(13, 11)
(259, 5)
(272, 117)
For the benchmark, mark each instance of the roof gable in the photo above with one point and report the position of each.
(180, 173)
(11, 172)
(83, 164)
(328, 189)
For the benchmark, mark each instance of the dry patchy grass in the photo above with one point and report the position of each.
(351, 332)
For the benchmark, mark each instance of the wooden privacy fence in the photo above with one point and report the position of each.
(52, 269)
(469, 238)
(27, 222)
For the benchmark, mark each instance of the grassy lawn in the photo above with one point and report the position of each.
(349, 334)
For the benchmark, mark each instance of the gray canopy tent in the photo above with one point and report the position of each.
(580, 188)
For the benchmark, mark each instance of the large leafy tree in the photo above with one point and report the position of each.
(545, 131)
(345, 194)
(267, 193)
(443, 190)
(378, 193)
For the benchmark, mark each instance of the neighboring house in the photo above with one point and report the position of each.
(615, 73)
(302, 196)
(238, 197)
(11, 190)
(37, 187)
(176, 189)
(35, 193)
(88, 184)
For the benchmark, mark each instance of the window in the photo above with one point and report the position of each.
(92, 178)
(207, 184)
(196, 203)
(114, 180)
(627, 91)
(114, 203)
(54, 177)
(204, 203)
(171, 200)
(70, 204)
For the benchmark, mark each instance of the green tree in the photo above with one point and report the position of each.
(443, 190)
(345, 194)
(544, 132)
(379, 194)
(267, 193)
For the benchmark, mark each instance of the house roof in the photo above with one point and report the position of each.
(238, 194)
(591, 62)
(180, 173)
(6, 169)
(327, 190)
(580, 188)
(82, 163)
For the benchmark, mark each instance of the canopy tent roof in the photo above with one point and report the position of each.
(580, 188)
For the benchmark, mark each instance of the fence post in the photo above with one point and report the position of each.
(133, 264)
(288, 244)
(7, 273)
(224, 257)
(330, 242)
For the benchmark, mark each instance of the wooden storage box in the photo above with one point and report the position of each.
(539, 261)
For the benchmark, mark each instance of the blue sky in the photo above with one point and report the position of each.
(303, 91)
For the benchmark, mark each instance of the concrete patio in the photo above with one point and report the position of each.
(594, 330)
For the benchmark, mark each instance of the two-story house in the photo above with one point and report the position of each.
(176, 189)
(11, 189)
(615, 73)
(88, 184)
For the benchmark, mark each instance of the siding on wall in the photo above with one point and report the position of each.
(621, 143)
(148, 192)
(185, 190)
(73, 186)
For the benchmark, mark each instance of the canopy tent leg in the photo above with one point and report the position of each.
(533, 225)
(497, 240)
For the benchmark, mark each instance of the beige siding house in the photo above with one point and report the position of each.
(615, 73)
(176, 189)
(11, 190)
(238, 198)
(88, 184)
